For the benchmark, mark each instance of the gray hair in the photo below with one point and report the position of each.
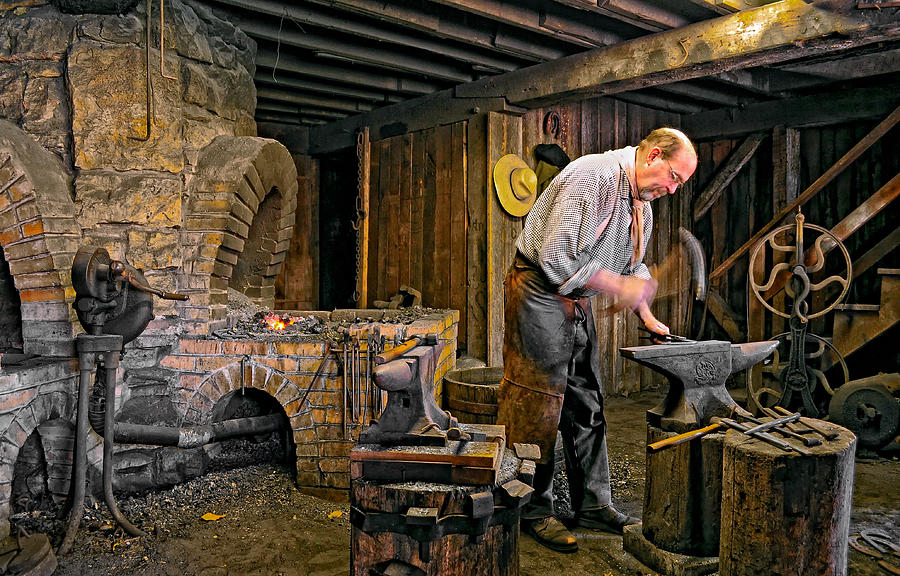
(669, 141)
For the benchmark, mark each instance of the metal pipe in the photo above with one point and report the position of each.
(86, 364)
(111, 365)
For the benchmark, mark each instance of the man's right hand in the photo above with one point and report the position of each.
(633, 291)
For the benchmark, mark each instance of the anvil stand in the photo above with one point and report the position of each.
(683, 485)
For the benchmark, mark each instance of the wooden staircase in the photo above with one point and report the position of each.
(857, 324)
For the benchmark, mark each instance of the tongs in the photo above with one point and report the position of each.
(667, 338)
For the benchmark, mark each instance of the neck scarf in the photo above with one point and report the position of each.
(627, 158)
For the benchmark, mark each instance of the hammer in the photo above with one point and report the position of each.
(397, 351)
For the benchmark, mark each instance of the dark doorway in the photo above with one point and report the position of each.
(337, 238)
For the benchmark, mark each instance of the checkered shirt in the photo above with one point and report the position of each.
(560, 233)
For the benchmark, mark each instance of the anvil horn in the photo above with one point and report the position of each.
(745, 355)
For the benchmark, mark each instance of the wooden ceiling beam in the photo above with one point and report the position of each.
(344, 26)
(818, 110)
(381, 57)
(387, 82)
(512, 13)
(475, 34)
(778, 32)
(284, 81)
(661, 102)
(702, 93)
(349, 106)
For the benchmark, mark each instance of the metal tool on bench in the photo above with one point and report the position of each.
(411, 416)
(720, 423)
(663, 338)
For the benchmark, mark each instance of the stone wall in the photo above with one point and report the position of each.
(77, 84)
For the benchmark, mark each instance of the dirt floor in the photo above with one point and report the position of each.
(268, 527)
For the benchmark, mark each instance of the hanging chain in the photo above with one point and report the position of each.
(360, 213)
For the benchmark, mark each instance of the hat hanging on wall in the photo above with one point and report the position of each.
(516, 185)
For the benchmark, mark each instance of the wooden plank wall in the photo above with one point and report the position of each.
(418, 217)
(297, 286)
(786, 163)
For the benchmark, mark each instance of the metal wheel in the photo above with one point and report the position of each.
(784, 240)
(778, 385)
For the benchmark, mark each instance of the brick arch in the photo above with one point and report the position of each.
(39, 237)
(43, 407)
(240, 219)
(198, 401)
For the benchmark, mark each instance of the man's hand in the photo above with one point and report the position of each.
(634, 293)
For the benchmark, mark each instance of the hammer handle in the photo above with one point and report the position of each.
(682, 438)
(398, 351)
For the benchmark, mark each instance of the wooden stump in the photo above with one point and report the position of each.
(784, 513)
(682, 494)
(427, 529)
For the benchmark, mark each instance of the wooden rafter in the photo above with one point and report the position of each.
(773, 33)
(726, 174)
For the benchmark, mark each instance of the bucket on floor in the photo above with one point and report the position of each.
(471, 394)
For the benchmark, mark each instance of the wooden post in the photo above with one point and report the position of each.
(783, 512)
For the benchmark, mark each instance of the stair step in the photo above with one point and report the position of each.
(858, 307)
(889, 271)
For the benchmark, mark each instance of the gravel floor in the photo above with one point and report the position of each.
(268, 527)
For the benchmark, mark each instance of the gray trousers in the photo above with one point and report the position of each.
(551, 382)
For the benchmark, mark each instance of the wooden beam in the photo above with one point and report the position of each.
(774, 33)
(265, 79)
(724, 315)
(637, 14)
(391, 59)
(726, 174)
(293, 97)
(392, 83)
(521, 16)
(347, 28)
(469, 33)
(813, 189)
(818, 110)
(884, 246)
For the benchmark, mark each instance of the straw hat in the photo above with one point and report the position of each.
(516, 184)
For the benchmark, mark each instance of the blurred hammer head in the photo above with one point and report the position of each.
(686, 254)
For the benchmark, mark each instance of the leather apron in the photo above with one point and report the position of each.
(538, 346)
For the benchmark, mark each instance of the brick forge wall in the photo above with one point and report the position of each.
(209, 369)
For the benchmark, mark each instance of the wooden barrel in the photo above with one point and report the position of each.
(471, 394)
(785, 512)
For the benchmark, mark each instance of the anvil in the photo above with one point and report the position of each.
(411, 416)
(696, 372)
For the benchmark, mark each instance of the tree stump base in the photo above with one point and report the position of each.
(430, 529)
(786, 513)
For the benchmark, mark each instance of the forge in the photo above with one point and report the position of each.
(201, 207)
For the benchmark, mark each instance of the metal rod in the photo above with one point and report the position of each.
(162, 41)
(785, 431)
(344, 395)
(821, 430)
(763, 426)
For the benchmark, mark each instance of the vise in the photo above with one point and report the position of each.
(411, 415)
(696, 372)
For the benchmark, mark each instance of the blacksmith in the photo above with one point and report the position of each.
(586, 234)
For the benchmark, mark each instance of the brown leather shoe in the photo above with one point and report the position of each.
(607, 519)
(550, 532)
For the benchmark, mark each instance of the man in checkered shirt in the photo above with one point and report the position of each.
(587, 233)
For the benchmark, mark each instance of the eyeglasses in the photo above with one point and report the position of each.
(675, 177)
